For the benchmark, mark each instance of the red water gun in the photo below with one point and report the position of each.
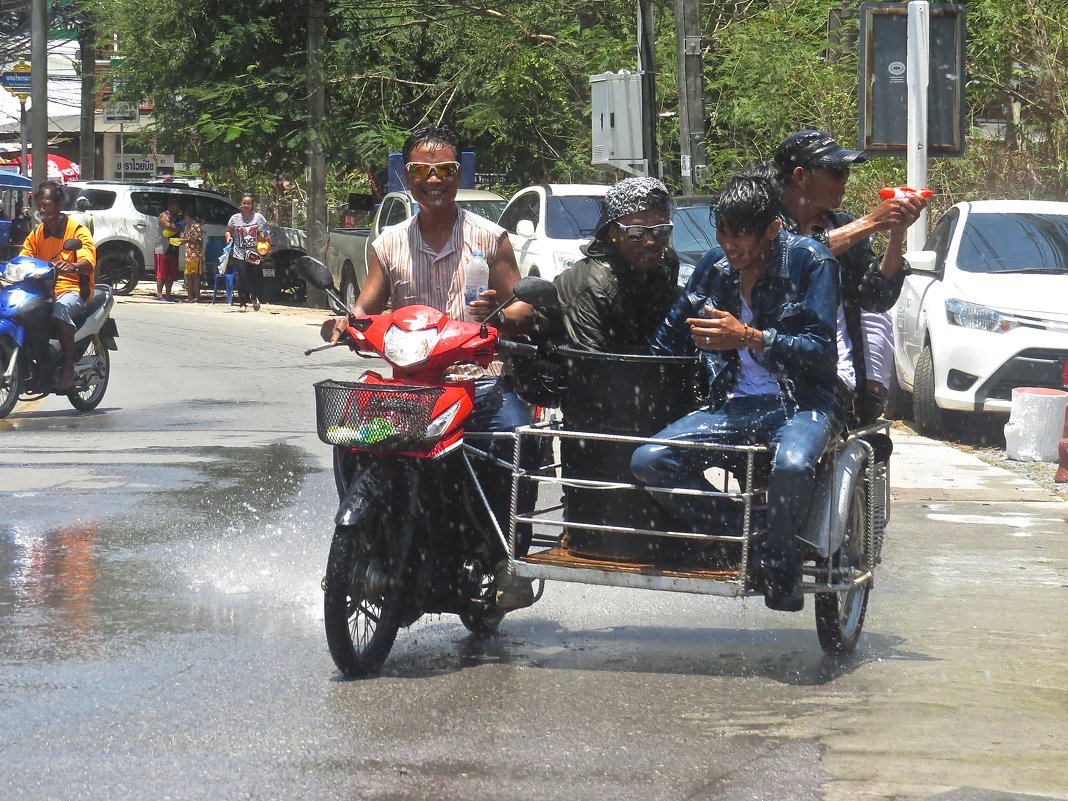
(888, 192)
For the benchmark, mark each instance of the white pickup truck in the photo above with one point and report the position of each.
(347, 249)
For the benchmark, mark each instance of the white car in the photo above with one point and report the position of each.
(984, 310)
(548, 223)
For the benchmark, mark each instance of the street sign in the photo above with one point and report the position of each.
(883, 79)
(121, 112)
(18, 80)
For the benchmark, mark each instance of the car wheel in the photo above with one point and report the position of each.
(117, 269)
(931, 420)
(350, 290)
(898, 401)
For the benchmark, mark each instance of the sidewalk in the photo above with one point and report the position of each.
(145, 292)
(924, 469)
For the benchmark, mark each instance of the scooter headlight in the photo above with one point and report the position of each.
(405, 348)
(20, 269)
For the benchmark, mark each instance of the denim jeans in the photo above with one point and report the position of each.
(800, 437)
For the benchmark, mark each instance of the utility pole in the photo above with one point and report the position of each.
(87, 145)
(691, 93)
(316, 223)
(647, 68)
(39, 91)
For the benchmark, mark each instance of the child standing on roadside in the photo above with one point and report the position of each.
(193, 239)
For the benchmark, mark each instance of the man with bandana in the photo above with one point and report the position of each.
(612, 300)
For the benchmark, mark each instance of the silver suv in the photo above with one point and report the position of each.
(124, 224)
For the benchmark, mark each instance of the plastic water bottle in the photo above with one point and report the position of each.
(476, 280)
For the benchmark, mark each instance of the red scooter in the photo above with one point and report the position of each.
(414, 533)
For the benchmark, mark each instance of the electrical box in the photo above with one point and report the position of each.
(617, 120)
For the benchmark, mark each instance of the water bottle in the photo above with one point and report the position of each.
(476, 279)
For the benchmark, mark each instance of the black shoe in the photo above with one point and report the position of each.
(783, 592)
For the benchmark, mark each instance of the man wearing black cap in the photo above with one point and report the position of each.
(813, 170)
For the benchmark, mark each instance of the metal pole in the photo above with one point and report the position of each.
(918, 47)
(647, 69)
(23, 167)
(39, 90)
(122, 154)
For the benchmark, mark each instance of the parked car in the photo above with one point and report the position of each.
(694, 233)
(984, 310)
(347, 248)
(548, 223)
(124, 229)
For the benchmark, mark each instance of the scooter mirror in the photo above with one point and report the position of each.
(72, 245)
(316, 272)
(537, 292)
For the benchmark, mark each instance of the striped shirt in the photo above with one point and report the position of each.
(420, 275)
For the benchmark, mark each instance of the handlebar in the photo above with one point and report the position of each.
(507, 347)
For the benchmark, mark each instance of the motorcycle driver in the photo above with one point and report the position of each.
(421, 261)
(74, 271)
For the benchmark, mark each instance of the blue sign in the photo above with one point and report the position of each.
(16, 81)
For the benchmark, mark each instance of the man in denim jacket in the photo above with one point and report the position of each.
(761, 309)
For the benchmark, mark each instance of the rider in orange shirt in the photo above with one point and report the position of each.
(74, 271)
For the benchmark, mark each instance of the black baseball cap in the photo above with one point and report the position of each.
(814, 149)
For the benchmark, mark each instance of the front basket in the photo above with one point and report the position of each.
(377, 416)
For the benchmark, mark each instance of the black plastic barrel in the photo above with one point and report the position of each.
(610, 393)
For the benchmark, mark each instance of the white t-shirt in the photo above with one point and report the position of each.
(845, 352)
(879, 338)
(753, 378)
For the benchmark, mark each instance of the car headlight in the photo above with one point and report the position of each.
(405, 348)
(564, 261)
(981, 318)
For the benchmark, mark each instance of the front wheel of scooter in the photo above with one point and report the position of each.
(360, 610)
(95, 368)
(10, 388)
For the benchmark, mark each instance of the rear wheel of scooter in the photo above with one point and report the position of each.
(360, 610)
(10, 388)
(96, 355)
(840, 615)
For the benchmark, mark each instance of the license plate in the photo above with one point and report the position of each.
(268, 272)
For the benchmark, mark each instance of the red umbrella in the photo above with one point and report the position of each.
(59, 169)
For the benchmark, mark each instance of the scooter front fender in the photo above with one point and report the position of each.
(13, 330)
(372, 487)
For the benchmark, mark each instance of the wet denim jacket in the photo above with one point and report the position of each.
(794, 303)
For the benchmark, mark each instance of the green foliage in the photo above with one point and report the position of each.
(229, 85)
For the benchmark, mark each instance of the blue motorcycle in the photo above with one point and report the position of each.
(30, 357)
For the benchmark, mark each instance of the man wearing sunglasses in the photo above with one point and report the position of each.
(421, 261)
(813, 170)
(612, 300)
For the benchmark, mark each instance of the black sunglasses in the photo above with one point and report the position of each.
(636, 233)
(835, 172)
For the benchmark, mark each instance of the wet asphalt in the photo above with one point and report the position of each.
(161, 626)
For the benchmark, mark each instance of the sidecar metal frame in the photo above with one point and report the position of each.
(847, 464)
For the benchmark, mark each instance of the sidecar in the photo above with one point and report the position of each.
(594, 525)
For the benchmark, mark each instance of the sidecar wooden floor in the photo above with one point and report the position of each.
(560, 564)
